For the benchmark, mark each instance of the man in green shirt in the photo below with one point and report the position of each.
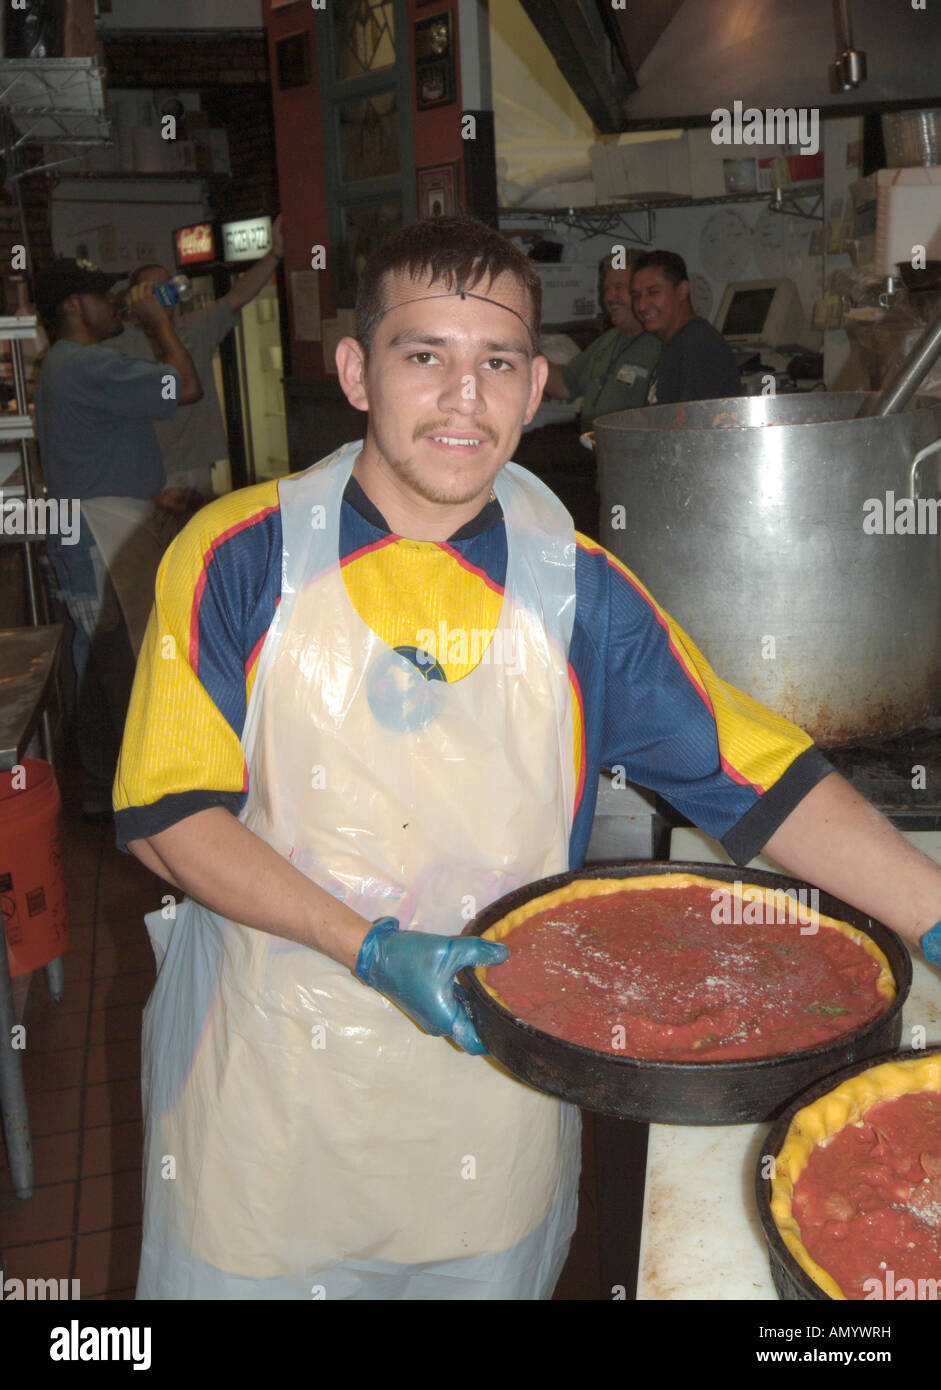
(613, 372)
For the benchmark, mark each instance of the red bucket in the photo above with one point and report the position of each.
(32, 885)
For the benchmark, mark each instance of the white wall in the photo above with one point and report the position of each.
(184, 14)
(542, 130)
(126, 224)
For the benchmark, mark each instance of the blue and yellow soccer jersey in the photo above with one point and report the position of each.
(643, 697)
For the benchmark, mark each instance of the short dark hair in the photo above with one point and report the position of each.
(672, 265)
(460, 251)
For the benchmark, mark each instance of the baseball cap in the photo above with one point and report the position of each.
(65, 277)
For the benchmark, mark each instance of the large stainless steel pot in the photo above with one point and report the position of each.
(744, 517)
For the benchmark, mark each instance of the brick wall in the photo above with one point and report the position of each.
(228, 58)
(229, 69)
(245, 112)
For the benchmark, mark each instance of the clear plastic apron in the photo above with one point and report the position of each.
(127, 531)
(322, 1145)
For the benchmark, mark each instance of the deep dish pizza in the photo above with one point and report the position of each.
(856, 1192)
(678, 967)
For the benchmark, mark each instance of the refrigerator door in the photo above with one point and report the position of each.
(260, 377)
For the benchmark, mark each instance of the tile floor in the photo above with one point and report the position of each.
(81, 1069)
(82, 1074)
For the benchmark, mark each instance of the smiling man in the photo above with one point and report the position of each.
(697, 363)
(613, 372)
(338, 787)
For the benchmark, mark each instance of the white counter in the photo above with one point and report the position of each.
(701, 1237)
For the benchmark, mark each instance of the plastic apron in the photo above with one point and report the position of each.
(304, 1138)
(128, 532)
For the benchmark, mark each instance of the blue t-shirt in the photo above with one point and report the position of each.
(697, 364)
(94, 413)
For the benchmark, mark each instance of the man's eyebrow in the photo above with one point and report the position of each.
(413, 335)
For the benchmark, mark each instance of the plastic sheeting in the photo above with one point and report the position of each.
(321, 1144)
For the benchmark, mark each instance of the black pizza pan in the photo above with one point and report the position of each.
(677, 1093)
(790, 1279)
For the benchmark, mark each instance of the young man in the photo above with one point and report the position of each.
(697, 363)
(338, 778)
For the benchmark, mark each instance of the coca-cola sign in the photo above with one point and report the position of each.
(195, 244)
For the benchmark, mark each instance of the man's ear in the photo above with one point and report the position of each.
(684, 292)
(351, 369)
(539, 376)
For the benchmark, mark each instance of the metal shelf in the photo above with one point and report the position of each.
(18, 326)
(602, 218)
(15, 427)
(49, 98)
(52, 99)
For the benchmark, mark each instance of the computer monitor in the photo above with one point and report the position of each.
(764, 313)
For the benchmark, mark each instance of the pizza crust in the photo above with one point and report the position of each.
(820, 1121)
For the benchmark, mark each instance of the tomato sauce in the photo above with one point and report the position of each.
(869, 1202)
(647, 973)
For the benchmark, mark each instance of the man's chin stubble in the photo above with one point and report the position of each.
(440, 496)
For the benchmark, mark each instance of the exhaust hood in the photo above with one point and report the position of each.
(673, 62)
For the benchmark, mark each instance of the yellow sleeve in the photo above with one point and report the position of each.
(216, 592)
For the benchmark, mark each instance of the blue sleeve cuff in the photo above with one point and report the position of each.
(931, 945)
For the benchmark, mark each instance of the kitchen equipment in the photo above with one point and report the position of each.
(745, 518)
(912, 137)
(896, 394)
(676, 1093)
(790, 1279)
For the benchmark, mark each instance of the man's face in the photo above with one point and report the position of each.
(661, 306)
(99, 312)
(617, 301)
(449, 384)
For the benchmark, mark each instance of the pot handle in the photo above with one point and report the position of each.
(922, 454)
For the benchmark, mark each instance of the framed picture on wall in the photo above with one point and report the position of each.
(434, 62)
(292, 56)
(437, 191)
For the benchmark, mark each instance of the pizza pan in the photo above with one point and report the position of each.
(790, 1279)
(677, 1093)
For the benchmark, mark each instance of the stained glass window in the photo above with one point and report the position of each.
(366, 226)
(364, 36)
(369, 137)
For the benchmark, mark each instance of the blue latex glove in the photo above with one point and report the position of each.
(416, 970)
(931, 945)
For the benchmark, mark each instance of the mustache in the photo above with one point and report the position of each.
(445, 427)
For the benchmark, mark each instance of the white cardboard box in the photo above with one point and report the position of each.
(569, 292)
(633, 171)
(908, 214)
